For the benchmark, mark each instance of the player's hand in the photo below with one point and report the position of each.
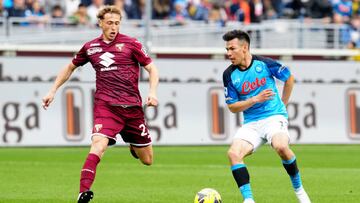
(264, 96)
(46, 101)
(151, 100)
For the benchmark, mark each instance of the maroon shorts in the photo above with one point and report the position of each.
(111, 120)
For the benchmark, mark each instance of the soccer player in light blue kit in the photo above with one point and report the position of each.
(250, 88)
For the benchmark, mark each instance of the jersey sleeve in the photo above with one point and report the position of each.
(231, 95)
(278, 70)
(140, 54)
(81, 57)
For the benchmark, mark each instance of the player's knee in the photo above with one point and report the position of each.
(281, 149)
(98, 148)
(234, 155)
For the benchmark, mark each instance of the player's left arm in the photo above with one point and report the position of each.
(152, 100)
(282, 73)
(287, 89)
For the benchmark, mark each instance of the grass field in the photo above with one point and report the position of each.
(331, 173)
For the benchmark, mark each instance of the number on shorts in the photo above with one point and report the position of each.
(143, 133)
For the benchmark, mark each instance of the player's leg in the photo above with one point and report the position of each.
(279, 136)
(144, 153)
(106, 125)
(280, 144)
(136, 133)
(98, 146)
(244, 143)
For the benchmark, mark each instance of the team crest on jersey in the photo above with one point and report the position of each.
(119, 46)
(258, 69)
(97, 127)
(93, 50)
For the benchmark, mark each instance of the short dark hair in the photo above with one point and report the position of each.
(241, 35)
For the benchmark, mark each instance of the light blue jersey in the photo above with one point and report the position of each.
(241, 85)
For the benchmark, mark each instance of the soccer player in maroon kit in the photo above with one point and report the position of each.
(116, 59)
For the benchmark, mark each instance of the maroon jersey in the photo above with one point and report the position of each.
(117, 68)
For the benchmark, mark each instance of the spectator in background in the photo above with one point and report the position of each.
(217, 15)
(38, 15)
(278, 6)
(94, 9)
(136, 9)
(180, 13)
(80, 17)
(342, 11)
(202, 10)
(86, 2)
(29, 4)
(57, 16)
(355, 7)
(7, 3)
(71, 6)
(269, 11)
(36, 9)
(120, 4)
(240, 11)
(18, 9)
(3, 12)
(57, 12)
(296, 9)
(351, 35)
(319, 9)
(161, 9)
(256, 11)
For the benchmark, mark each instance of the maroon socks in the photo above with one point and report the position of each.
(88, 172)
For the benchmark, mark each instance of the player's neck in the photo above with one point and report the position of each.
(107, 41)
(245, 63)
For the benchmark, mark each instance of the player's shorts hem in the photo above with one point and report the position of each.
(140, 145)
(112, 140)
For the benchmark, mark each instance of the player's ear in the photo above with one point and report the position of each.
(100, 23)
(244, 47)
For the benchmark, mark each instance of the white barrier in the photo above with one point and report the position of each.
(187, 114)
(190, 113)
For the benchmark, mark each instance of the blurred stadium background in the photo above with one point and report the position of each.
(41, 152)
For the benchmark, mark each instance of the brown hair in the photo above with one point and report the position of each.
(108, 9)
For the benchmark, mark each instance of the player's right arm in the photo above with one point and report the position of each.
(243, 105)
(61, 78)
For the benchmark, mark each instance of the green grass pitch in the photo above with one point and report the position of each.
(331, 173)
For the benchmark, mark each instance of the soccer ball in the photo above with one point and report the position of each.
(207, 195)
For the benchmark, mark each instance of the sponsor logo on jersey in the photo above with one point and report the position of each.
(93, 50)
(119, 46)
(107, 59)
(248, 86)
(94, 44)
(108, 68)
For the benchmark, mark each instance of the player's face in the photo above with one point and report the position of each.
(236, 51)
(110, 26)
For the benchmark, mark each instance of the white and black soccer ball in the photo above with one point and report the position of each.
(207, 195)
